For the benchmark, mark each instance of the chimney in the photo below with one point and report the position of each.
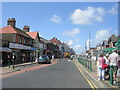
(26, 28)
(11, 21)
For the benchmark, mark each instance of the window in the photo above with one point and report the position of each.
(24, 40)
(20, 39)
(30, 42)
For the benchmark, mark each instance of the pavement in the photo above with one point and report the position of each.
(93, 75)
(21, 67)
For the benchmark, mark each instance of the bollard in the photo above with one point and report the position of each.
(111, 75)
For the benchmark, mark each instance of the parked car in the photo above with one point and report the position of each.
(44, 59)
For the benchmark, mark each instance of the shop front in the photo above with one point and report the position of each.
(22, 52)
(4, 51)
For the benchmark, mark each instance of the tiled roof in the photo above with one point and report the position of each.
(7, 29)
(10, 29)
(43, 40)
(54, 40)
(33, 34)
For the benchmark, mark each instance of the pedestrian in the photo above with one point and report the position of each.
(101, 72)
(13, 59)
(23, 58)
(9, 59)
(118, 59)
(114, 63)
(52, 57)
(107, 69)
(106, 58)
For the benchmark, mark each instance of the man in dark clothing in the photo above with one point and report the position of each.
(9, 59)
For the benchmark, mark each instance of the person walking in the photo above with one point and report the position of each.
(13, 58)
(101, 72)
(118, 70)
(9, 59)
(53, 57)
(114, 63)
(107, 69)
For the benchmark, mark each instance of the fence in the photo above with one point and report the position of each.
(86, 63)
(90, 65)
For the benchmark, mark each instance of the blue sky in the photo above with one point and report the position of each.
(67, 21)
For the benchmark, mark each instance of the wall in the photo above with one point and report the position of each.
(9, 37)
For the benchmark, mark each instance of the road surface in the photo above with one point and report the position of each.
(64, 74)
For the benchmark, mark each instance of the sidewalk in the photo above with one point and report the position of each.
(93, 74)
(7, 70)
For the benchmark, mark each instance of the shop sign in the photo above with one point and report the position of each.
(19, 46)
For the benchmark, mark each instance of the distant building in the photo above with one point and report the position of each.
(105, 44)
(112, 40)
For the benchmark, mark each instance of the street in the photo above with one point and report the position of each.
(64, 74)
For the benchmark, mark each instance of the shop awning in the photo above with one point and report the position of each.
(5, 49)
(108, 50)
(33, 49)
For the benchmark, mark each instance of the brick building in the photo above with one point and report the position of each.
(20, 42)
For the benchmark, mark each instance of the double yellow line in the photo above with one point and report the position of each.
(92, 85)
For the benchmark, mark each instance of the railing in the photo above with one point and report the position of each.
(86, 63)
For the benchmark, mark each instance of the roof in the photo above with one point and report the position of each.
(43, 40)
(33, 34)
(10, 29)
(7, 29)
(54, 40)
(113, 38)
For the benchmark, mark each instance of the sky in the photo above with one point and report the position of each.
(70, 22)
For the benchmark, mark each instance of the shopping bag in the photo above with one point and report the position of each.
(104, 66)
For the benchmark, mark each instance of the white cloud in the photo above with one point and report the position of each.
(71, 33)
(87, 16)
(102, 35)
(77, 39)
(77, 48)
(113, 10)
(70, 42)
(56, 19)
